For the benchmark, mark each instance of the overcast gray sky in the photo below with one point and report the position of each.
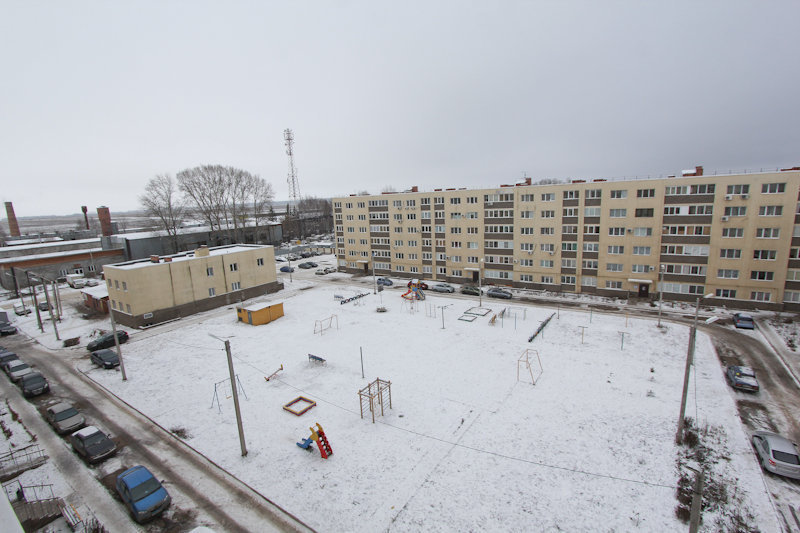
(98, 97)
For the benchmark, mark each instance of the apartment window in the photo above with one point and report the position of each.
(638, 269)
(424, 201)
(212, 292)
(116, 284)
(411, 203)
(676, 190)
(733, 233)
(260, 261)
(472, 245)
(768, 233)
(398, 243)
(616, 250)
(618, 213)
(349, 217)
(128, 308)
(548, 197)
(672, 210)
(770, 210)
(527, 231)
(642, 232)
(591, 247)
(527, 246)
(619, 193)
(738, 189)
(591, 211)
(589, 264)
(441, 270)
(773, 188)
(569, 263)
(546, 263)
(645, 193)
(548, 214)
(454, 258)
(413, 270)
(570, 212)
(572, 195)
(591, 230)
(526, 277)
(235, 286)
(594, 193)
(725, 293)
(527, 198)
(439, 229)
(761, 296)
(548, 231)
(472, 231)
(411, 216)
(472, 199)
(63, 272)
(526, 262)
(456, 273)
(730, 253)
(91, 268)
(547, 247)
(455, 244)
(791, 296)
(765, 255)
(427, 269)
(234, 267)
(644, 213)
(426, 229)
(397, 203)
(399, 268)
(728, 273)
(548, 280)
(589, 281)
(762, 275)
(703, 188)
(736, 211)
(613, 284)
(526, 214)
(569, 246)
(641, 250)
(703, 209)
(568, 280)
(682, 288)
(398, 255)
(614, 267)
(616, 232)
(569, 230)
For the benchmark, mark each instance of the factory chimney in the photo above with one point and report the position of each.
(105, 220)
(13, 225)
(85, 216)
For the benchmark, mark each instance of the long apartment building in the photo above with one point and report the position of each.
(736, 236)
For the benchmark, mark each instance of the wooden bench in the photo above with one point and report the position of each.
(316, 359)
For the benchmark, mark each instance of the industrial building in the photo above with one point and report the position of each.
(735, 236)
(151, 291)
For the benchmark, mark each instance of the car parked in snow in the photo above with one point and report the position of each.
(17, 369)
(21, 309)
(7, 329)
(444, 287)
(280, 259)
(64, 417)
(307, 264)
(142, 493)
(743, 321)
(287, 268)
(92, 444)
(107, 340)
(106, 358)
(471, 289)
(321, 271)
(6, 358)
(421, 284)
(496, 292)
(330, 270)
(777, 454)
(33, 384)
(742, 378)
(386, 282)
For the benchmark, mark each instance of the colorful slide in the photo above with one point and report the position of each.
(414, 292)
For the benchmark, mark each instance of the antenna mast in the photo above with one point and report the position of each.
(291, 179)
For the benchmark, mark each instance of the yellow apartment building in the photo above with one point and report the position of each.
(150, 291)
(736, 236)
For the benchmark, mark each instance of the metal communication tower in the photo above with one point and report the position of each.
(291, 179)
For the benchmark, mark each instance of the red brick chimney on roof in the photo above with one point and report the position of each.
(13, 225)
(105, 220)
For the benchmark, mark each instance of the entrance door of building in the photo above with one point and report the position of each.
(644, 290)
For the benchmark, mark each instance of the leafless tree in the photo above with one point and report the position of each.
(207, 189)
(262, 195)
(162, 200)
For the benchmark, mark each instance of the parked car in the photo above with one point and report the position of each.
(444, 287)
(306, 254)
(7, 357)
(496, 292)
(422, 285)
(743, 321)
(91, 282)
(386, 282)
(471, 289)
(742, 378)
(106, 358)
(142, 493)
(17, 369)
(44, 306)
(107, 340)
(330, 270)
(33, 384)
(21, 310)
(280, 259)
(7, 329)
(320, 271)
(777, 454)
(287, 268)
(64, 418)
(308, 264)
(92, 444)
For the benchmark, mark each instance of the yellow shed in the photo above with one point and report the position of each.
(261, 313)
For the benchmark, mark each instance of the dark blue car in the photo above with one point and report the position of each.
(742, 378)
(142, 493)
(287, 268)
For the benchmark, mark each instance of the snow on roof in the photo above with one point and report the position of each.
(98, 292)
(85, 432)
(261, 305)
(187, 256)
(181, 231)
(36, 243)
(62, 253)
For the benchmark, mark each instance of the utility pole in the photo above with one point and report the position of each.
(235, 394)
(660, 291)
(50, 307)
(697, 501)
(32, 288)
(116, 343)
(688, 370)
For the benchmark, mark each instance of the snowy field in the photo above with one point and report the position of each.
(466, 446)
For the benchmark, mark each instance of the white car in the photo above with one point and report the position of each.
(321, 271)
(17, 370)
(280, 259)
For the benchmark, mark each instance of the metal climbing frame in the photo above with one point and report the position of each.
(379, 390)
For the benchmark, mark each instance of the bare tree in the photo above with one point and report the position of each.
(262, 195)
(162, 201)
(207, 188)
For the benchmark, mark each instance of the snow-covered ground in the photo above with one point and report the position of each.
(466, 446)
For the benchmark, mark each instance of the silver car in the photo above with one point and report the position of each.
(18, 369)
(777, 454)
(64, 417)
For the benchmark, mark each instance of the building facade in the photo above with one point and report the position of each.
(151, 291)
(736, 236)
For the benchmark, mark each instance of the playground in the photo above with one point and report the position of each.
(475, 428)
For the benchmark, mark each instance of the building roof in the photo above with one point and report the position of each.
(98, 292)
(259, 306)
(187, 256)
(62, 253)
(36, 244)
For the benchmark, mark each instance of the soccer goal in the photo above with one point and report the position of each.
(320, 326)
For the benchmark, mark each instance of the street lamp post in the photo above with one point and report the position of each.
(660, 291)
(688, 369)
(480, 283)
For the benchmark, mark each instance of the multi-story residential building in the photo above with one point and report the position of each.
(150, 291)
(736, 236)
